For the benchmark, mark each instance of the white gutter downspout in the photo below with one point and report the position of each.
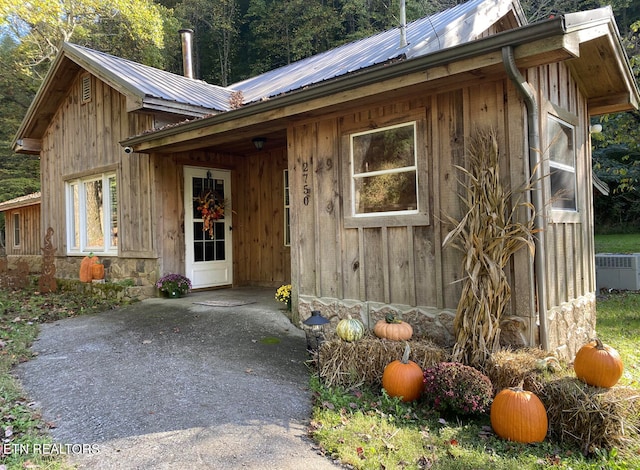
(537, 196)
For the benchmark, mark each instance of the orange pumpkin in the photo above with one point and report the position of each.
(85, 267)
(97, 271)
(403, 378)
(519, 415)
(393, 328)
(598, 364)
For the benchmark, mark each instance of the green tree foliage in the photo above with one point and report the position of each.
(216, 27)
(130, 27)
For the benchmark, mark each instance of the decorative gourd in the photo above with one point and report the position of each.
(403, 378)
(598, 364)
(519, 415)
(85, 267)
(97, 271)
(393, 328)
(350, 329)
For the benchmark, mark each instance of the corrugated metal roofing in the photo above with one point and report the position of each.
(20, 201)
(457, 25)
(149, 82)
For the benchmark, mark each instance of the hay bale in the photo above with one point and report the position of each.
(592, 417)
(588, 417)
(531, 367)
(362, 362)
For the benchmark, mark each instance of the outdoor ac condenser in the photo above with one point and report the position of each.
(615, 271)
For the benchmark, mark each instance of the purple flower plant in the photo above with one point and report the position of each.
(174, 283)
(451, 387)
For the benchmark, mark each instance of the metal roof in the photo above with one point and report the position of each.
(452, 27)
(155, 87)
(20, 201)
(151, 84)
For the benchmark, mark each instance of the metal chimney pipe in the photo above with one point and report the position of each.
(186, 36)
(403, 23)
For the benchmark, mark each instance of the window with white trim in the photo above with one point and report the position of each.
(16, 229)
(287, 210)
(562, 164)
(384, 171)
(92, 214)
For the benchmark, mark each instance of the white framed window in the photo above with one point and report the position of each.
(16, 230)
(562, 164)
(384, 177)
(287, 210)
(92, 214)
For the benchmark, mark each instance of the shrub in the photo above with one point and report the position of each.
(451, 387)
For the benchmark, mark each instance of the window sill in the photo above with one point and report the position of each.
(401, 220)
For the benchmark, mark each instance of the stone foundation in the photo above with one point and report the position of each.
(143, 272)
(571, 325)
(427, 322)
(34, 262)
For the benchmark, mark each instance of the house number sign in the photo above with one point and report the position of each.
(306, 189)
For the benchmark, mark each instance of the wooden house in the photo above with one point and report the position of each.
(312, 193)
(22, 234)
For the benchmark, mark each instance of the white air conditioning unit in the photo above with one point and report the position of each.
(615, 271)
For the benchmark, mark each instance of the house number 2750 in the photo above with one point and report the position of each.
(306, 189)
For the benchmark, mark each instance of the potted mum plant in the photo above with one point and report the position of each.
(174, 285)
(283, 294)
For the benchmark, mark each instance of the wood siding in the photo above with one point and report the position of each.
(405, 265)
(31, 237)
(392, 264)
(569, 236)
(83, 140)
(257, 200)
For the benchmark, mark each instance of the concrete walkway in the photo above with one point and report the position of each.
(172, 384)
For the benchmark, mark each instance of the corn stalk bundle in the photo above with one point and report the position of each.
(488, 235)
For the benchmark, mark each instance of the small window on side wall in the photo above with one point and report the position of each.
(384, 171)
(562, 164)
(16, 230)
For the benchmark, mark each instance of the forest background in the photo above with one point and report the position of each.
(236, 39)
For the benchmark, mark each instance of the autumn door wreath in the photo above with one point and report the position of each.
(211, 207)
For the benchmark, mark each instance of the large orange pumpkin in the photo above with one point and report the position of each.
(391, 327)
(85, 267)
(403, 378)
(519, 415)
(598, 364)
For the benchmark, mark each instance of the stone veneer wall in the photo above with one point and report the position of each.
(34, 262)
(572, 324)
(142, 271)
(427, 322)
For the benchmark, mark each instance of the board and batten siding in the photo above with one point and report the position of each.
(30, 242)
(569, 244)
(369, 269)
(83, 140)
(260, 257)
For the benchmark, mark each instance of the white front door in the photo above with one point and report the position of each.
(208, 260)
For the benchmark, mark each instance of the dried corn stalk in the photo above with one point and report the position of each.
(488, 235)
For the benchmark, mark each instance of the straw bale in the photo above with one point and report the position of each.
(592, 417)
(531, 367)
(362, 362)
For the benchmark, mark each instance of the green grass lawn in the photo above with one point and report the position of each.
(622, 243)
